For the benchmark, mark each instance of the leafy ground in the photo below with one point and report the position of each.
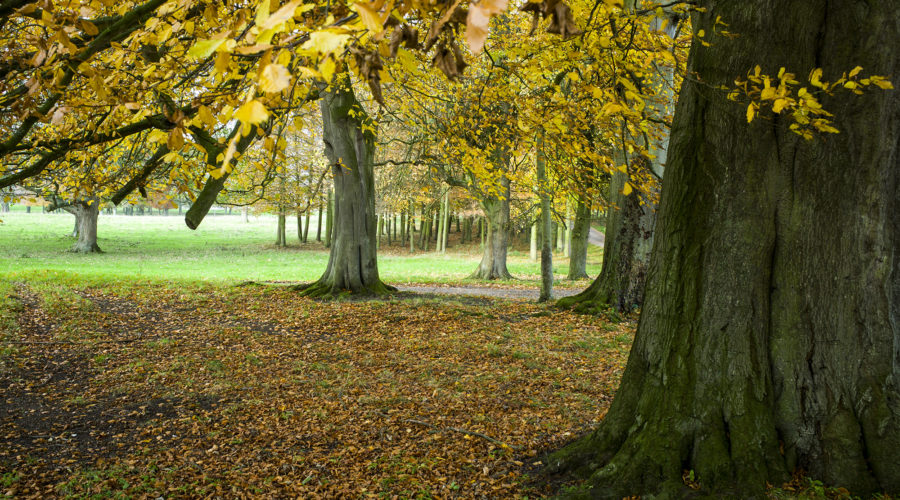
(224, 249)
(153, 388)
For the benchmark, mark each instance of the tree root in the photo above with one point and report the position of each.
(326, 290)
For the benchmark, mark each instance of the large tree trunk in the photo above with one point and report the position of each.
(86, 215)
(769, 340)
(352, 263)
(578, 245)
(493, 260)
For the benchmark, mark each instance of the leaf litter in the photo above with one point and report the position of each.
(155, 389)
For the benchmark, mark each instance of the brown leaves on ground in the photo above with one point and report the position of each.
(185, 391)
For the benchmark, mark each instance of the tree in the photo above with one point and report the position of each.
(768, 337)
(349, 137)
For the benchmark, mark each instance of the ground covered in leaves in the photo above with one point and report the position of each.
(185, 390)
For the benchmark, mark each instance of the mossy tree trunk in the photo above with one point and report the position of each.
(769, 340)
(350, 148)
(626, 254)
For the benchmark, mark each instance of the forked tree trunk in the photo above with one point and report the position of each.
(493, 259)
(769, 340)
(350, 149)
(86, 215)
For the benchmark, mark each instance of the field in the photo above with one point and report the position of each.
(144, 372)
(225, 249)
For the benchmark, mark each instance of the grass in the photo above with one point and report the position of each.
(226, 249)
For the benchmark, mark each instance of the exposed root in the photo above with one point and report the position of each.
(326, 290)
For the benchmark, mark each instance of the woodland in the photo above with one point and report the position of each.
(699, 202)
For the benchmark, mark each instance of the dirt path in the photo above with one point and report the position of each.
(483, 291)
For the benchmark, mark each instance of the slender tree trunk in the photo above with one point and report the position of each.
(245, 214)
(768, 341)
(280, 239)
(319, 223)
(578, 244)
(440, 228)
(532, 254)
(299, 226)
(329, 225)
(306, 229)
(560, 232)
(350, 149)
(567, 234)
(379, 230)
(402, 227)
(546, 225)
(493, 260)
(412, 227)
(445, 223)
(86, 214)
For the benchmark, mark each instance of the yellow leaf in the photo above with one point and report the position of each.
(627, 189)
(327, 68)
(252, 112)
(204, 48)
(253, 49)
(751, 112)
(274, 78)
(369, 17)
(883, 84)
(325, 42)
(206, 117)
(281, 15)
(262, 12)
(815, 78)
(855, 71)
(779, 104)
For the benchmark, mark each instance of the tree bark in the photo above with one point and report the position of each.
(445, 223)
(280, 239)
(533, 242)
(350, 149)
(306, 229)
(578, 244)
(299, 226)
(769, 340)
(546, 224)
(86, 214)
(626, 255)
(319, 224)
(496, 212)
(329, 223)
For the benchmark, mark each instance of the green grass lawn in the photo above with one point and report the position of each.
(226, 249)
